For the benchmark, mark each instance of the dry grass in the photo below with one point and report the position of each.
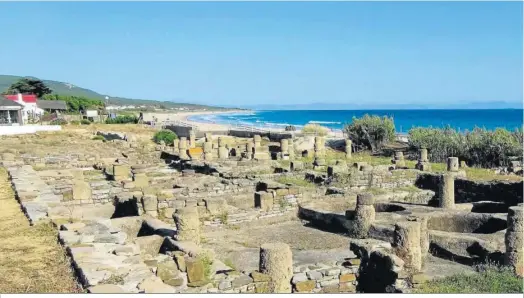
(31, 260)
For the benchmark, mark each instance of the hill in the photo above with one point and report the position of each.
(63, 88)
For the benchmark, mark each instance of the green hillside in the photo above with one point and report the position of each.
(69, 89)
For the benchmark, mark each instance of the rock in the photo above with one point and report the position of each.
(105, 289)
(259, 277)
(155, 285)
(314, 275)
(149, 244)
(332, 272)
(195, 270)
(298, 278)
(169, 273)
(242, 280)
(331, 289)
(127, 250)
(180, 260)
(305, 286)
(73, 226)
(224, 285)
(81, 190)
(347, 277)
(347, 287)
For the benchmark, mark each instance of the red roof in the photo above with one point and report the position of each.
(27, 98)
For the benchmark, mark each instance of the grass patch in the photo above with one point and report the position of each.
(377, 190)
(230, 264)
(113, 280)
(223, 217)
(99, 138)
(31, 260)
(294, 181)
(492, 279)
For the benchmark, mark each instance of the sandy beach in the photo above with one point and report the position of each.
(203, 126)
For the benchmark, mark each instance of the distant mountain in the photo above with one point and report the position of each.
(63, 88)
(342, 106)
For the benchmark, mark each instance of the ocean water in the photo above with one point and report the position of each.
(404, 119)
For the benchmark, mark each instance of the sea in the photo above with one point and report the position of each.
(404, 119)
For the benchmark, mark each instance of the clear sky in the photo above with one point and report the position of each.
(252, 52)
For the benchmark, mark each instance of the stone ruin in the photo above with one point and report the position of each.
(140, 218)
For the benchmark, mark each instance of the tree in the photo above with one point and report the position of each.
(27, 85)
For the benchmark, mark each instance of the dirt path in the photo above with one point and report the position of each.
(31, 260)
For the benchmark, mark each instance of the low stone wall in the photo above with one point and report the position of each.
(379, 176)
(467, 191)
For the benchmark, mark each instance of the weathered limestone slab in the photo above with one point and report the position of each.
(187, 224)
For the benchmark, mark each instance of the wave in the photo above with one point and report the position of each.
(324, 122)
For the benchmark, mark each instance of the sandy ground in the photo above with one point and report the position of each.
(184, 117)
(241, 246)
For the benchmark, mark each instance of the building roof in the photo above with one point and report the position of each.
(9, 104)
(27, 98)
(52, 104)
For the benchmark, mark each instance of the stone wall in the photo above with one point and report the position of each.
(467, 191)
(380, 177)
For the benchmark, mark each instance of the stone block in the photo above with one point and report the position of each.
(195, 270)
(81, 190)
(347, 277)
(121, 172)
(263, 200)
(241, 281)
(169, 273)
(298, 278)
(179, 258)
(141, 180)
(305, 286)
(314, 275)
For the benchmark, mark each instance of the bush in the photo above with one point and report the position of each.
(122, 119)
(315, 129)
(165, 135)
(479, 147)
(371, 132)
(74, 122)
(85, 122)
(59, 121)
(290, 128)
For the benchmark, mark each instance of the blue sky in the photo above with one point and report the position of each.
(273, 52)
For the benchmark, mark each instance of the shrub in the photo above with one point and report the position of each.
(315, 129)
(371, 132)
(85, 122)
(479, 147)
(165, 135)
(290, 128)
(122, 119)
(59, 121)
(74, 122)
